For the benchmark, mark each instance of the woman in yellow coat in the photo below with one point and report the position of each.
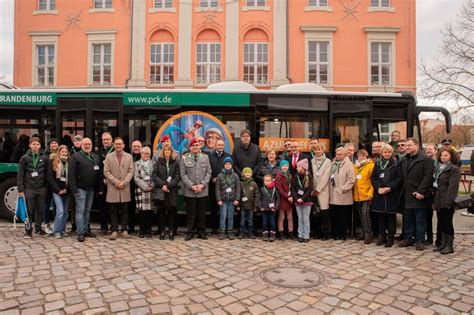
(364, 192)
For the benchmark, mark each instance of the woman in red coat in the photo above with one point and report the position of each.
(283, 186)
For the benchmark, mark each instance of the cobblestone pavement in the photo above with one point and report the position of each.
(140, 276)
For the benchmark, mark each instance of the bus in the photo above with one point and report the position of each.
(296, 111)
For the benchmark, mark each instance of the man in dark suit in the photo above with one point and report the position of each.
(295, 156)
(417, 170)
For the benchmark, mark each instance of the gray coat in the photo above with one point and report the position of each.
(223, 183)
(195, 173)
(448, 186)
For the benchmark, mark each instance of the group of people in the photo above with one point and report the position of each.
(396, 177)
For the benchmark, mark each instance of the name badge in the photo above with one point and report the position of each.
(359, 176)
(245, 198)
(34, 174)
(228, 190)
(147, 177)
(300, 192)
(382, 175)
(96, 167)
(289, 193)
(168, 179)
(435, 185)
(333, 176)
(271, 205)
(63, 179)
(317, 173)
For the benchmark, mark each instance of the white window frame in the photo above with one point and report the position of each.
(103, 4)
(320, 34)
(49, 8)
(50, 5)
(163, 4)
(209, 4)
(318, 63)
(161, 63)
(256, 64)
(315, 5)
(380, 6)
(100, 37)
(256, 3)
(210, 66)
(43, 39)
(380, 64)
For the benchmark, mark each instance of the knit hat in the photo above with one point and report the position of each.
(53, 140)
(303, 163)
(284, 162)
(247, 170)
(228, 160)
(193, 141)
(165, 138)
(77, 138)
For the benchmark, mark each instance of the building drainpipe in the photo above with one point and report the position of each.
(287, 43)
(131, 45)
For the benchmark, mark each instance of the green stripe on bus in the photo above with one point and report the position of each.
(8, 168)
(28, 98)
(186, 99)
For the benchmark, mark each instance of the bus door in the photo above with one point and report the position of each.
(350, 122)
(88, 118)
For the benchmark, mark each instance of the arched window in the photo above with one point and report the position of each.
(256, 57)
(162, 58)
(208, 57)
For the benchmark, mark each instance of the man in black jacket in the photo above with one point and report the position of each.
(85, 178)
(107, 147)
(417, 171)
(32, 184)
(246, 154)
(216, 158)
(296, 156)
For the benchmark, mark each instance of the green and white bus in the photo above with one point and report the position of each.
(296, 111)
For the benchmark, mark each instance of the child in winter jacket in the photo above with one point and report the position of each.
(283, 185)
(301, 190)
(269, 203)
(227, 196)
(249, 198)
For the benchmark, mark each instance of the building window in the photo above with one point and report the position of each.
(102, 4)
(318, 3)
(101, 64)
(208, 3)
(318, 62)
(45, 61)
(256, 63)
(162, 4)
(255, 3)
(46, 5)
(208, 63)
(380, 63)
(380, 3)
(162, 63)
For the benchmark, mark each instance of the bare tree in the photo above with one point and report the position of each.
(450, 77)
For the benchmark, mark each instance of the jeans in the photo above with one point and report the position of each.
(62, 205)
(34, 202)
(84, 200)
(414, 221)
(227, 212)
(246, 221)
(303, 220)
(268, 221)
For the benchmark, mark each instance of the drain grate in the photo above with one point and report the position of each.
(292, 277)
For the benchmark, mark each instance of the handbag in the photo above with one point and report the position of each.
(464, 201)
(21, 212)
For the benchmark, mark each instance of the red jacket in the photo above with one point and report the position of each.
(283, 188)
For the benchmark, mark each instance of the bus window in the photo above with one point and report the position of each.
(383, 130)
(275, 128)
(351, 130)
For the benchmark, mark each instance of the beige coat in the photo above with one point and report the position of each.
(115, 172)
(344, 179)
(321, 173)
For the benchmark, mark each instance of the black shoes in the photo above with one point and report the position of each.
(90, 234)
(80, 238)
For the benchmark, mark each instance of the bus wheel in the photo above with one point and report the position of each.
(9, 195)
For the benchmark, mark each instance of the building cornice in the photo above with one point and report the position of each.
(318, 28)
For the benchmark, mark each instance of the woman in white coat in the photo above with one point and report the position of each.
(341, 180)
(321, 171)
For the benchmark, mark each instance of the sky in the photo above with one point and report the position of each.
(431, 16)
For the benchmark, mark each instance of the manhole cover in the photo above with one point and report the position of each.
(292, 277)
